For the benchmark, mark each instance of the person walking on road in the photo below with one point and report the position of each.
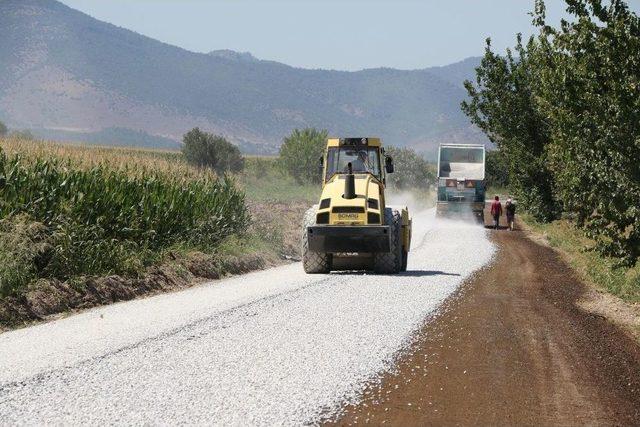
(510, 208)
(496, 211)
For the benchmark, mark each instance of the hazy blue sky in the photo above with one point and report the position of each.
(337, 34)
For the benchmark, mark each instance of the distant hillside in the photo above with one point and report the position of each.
(458, 72)
(61, 69)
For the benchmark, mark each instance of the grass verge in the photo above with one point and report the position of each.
(604, 273)
(262, 181)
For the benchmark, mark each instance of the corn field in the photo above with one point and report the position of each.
(133, 161)
(103, 218)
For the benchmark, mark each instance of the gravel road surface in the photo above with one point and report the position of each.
(273, 347)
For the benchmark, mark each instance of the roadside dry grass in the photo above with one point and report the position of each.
(263, 181)
(277, 203)
(604, 273)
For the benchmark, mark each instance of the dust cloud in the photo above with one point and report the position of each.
(417, 201)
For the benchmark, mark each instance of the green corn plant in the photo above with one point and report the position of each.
(113, 220)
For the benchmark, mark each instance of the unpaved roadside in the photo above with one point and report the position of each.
(514, 348)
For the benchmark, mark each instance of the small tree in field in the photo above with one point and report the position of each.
(3, 130)
(413, 171)
(22, 134)
(300, 154)
(207, 150)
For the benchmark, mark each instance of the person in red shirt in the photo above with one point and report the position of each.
(496, 211)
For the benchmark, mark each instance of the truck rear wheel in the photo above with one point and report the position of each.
(313, 262)
(390, 262)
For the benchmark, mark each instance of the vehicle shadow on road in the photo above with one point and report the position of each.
(410, 273)
(423, 273)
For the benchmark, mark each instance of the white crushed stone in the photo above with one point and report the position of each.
(274, 347)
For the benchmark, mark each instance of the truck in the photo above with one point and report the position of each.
(352, 227)
(461, 181)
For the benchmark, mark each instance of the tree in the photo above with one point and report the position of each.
(300, 154)
(207, 150)
(22, 134)
(412, 170)
(3, 130)
(496, 169)
(589, 89)
(566, 116)
(503, 106)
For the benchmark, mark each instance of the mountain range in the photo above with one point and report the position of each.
(65, 73)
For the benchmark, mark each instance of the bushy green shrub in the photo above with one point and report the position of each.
(207, 150)
(412, 171)
(300, 154)
(3, 129)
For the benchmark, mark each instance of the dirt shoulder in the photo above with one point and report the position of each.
(515, 347)
(604, 283)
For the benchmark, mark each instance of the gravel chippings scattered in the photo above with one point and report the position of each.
(275, 347)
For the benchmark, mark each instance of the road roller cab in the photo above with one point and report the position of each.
(352, 227)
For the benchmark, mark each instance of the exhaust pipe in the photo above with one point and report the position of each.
(349, 184)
